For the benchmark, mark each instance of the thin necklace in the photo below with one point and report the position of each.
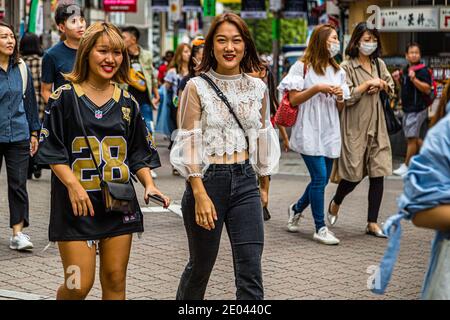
(96, 88)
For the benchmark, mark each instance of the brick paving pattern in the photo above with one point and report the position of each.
(294, 266)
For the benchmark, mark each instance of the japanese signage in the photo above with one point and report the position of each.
(253, 9)
(295, 9)
(120, 5)
(445, 18)
(160, 5)
(410, 19)
(192, 5)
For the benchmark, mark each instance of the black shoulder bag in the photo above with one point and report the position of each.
(225, 100)
(392, 123)
(117, 197)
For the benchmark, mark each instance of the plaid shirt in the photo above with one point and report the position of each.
(34, 62)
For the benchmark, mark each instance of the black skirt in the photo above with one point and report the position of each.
(65, 226)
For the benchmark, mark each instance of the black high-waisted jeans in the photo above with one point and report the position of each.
(234, 191)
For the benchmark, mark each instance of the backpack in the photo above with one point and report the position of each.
(24, 75)
(428, 98)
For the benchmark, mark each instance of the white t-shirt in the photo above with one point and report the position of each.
(317, 129)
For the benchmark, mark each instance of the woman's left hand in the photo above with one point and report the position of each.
(339, 93)
(154, 191)
(34, 144)
(264, 197)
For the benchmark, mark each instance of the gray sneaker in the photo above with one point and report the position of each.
(20, 242)
(294, 219)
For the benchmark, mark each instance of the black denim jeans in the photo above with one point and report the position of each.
(17, 155)
(234, 191)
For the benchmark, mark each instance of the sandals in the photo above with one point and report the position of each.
(332, 218)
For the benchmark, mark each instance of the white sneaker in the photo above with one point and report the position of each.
(325, 236)
(20, 242)
(401, 171)
(294, 219)
(154, 175)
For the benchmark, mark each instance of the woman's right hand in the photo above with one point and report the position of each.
(325, 88)
(81, 203)
(205, 212)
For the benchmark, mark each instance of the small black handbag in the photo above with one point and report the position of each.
(117, 197)
(392, 123)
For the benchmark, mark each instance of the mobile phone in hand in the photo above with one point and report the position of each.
(156, 199)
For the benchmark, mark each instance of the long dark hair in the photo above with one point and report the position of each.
(191, 65)
(272, 87)
(15, 56)
(353, 46)
(249, 63)
(30, 44)
(440, 112)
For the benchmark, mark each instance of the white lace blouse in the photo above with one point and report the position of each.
(317, 129)
(208, 129)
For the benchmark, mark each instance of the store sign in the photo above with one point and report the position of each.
(409, 19)
(120, 5)
(192, 5)
(174, 10)
(160, 5)
(253, 9)
(2, 9)
(276, 5)
(295, 9)
(445, 19)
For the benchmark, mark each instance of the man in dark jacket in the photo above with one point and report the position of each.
(416, 82)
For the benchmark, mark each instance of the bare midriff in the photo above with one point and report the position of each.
(236, 157)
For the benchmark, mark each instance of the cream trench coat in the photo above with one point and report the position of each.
(366, 149)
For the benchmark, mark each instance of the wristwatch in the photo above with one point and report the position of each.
(35, 135)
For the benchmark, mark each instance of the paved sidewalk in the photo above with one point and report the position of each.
(294, 266)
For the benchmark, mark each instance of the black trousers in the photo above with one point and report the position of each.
(17, 156)
(376, 188)
(235, 194)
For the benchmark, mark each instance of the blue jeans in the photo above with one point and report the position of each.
(147, 113)
(319, 168)
(234, 191)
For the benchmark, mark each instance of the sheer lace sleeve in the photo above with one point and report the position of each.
(268, 144)
(188, 155)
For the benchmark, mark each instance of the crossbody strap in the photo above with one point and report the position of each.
(80, 120)
(221, 95)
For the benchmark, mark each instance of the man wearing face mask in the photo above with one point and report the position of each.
(60, 59)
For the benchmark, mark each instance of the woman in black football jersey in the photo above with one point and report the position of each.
(121, 146)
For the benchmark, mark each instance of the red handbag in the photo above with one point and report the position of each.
(286, 114)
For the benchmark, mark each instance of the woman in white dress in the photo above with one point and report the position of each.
(317, 85)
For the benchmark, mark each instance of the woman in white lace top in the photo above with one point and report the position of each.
(212, 153)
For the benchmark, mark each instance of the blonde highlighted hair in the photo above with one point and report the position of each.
(93, 33)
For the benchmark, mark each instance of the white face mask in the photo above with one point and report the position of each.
(367, 48)
(334, 49)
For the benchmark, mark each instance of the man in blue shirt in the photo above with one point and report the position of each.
(60, 58)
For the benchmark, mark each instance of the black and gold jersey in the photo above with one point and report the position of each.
(121, 144)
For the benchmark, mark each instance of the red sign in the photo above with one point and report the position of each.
(120, 5)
